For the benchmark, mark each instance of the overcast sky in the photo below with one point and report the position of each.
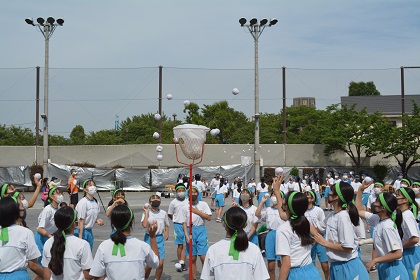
(104, 60)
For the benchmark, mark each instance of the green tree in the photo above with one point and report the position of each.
(77, 135)
(363, 89)
(104, 137)
(193, 114)
(352, 132)
(16, 136)
(303, 125)
(57, 140)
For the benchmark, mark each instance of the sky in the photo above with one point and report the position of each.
(104, 60)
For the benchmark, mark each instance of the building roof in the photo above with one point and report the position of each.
(386, 104)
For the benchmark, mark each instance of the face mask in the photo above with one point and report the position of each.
(400, 177)
(180, 195)
(404, 186)
(25, 204)
(345, 177)
(244, 197)
(416, 191)
(377, 190)
(59, 199)
(306, 177)
(194, 197)
(92, 190)
(373, 209)
(329, 175)
(155, 203)
(273, 200)
(336, 177)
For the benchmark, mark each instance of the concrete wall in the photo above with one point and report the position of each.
(214, 155)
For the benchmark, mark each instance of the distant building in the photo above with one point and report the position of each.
(388, 105)
(304, 101)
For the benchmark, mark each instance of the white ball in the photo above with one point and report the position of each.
(156, 135)
(169, 96)
(186, 103)
(278, 171)
(213, 132)
(159, 148)
(368, 179)
(178, 266)
(217, 131)
(159, 157)
(147, 205)
(235, 91)
(175, 140)
(157, 117)
(37, 175)
(267, 195)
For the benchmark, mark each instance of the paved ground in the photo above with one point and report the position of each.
(136, 201)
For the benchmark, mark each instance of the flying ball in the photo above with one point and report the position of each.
(169, 96)
(158, 117)
(186, 103)
(278, 171)
(235, 91)
(159, 157)
(156, 135)
(159, 148)
(37, 175)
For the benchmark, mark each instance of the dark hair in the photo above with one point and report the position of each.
(347, 193)
(299, 204)
(44, 182)
(235, 219)
(392, 203)
(114, 194)
(63, 219)
(412, 195)
(9, 211)
(197, 177)
(250, 197)
(120, 217)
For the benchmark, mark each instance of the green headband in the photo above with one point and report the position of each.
(380, 184)
(249, 192)
(340, 195)
(120, 247)
(416, 183)
(312, 193)
(3, 189)
(289, 204)
(74, 219)
(153, 196)
(84, 183)
(117, 190)
(383, 202)
(232, 251)
(412, 205)
(180, 186)
(406, 181)
(15, 196)
(50, 192)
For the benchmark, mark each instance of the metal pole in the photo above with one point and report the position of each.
(37, 115)
(257, 109)
(402, 93)
(45, 132)
(284, 105)
(160, 105)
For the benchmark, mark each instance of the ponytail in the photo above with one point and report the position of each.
(297, 203)
(398, 222)
(302, 228)
(235, 219)
(57, 253)
(354, 214)
(345, 194)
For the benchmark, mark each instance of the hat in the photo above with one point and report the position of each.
(54, 178)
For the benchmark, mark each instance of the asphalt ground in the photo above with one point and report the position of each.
(136, 201)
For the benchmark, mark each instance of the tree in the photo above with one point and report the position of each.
(303, 125)
(363, 89)
(57, 140)
(77, 135)
(16, 136)
(352, 132)
(104, 137)
(193, 114)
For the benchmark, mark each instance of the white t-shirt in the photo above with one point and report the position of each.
(214, 183)
(360, 230)
(21, 247)
(77, 257)
(340, 230)
(330, 182)
(251, 218)
(219, 265)
(196, 219)
(262, 187)
(271, 216)
(409, 226)
(236, 194)
(369, 189)
(162, 220)
(46, 219)
(138, 254)
(315, 186)
(372, 198)
(88, 210)
(397, 184)
(385, 237)
(356, 186)
(284, 188)
(222, 190)
(293, 186)
(174, 209)
(316, 218)
(288, 243)
(199, 185)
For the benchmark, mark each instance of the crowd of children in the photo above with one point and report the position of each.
(295, 230)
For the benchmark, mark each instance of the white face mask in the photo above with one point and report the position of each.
(377, 190)
(59, 199)
(92, 190)
(273, 200)
(416, 191)
(345, 177)
(336, 177)
(25, 204)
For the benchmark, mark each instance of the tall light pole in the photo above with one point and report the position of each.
(256, 28)
(47, 28)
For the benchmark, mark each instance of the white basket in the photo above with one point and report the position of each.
(191, 139)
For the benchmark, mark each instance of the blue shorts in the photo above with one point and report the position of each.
(270, 246)
(179, 236)
(15, 275)
(320, 251)
(237, 200)
(220, 200)
(200, 196)
(267, 202)
(392, 270)
(318, 199)
(87, 235)
(349, 270)
(160, 243)
(304, 272)
(40, 241)
(213, 195)
(411, 261)
(365, 198)
(254, 238)
(199, 241)
(326, 192)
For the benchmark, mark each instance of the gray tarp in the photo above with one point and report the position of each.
(19, 175)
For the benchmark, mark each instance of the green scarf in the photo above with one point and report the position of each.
(120, 247)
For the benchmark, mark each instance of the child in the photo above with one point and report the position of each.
(236, 193)
(65, 256)
(262, 189)
(221, 191)
(246, 204)
(162, 233)
(214, 183)
(123, 256)
(118, 197)
(234, 257)
(200, 212)
(174, 213)
(200, 186)
(17, 247)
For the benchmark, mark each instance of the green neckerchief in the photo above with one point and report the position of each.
(232, 251)
(412, 205)
(340, 195)
(64, 230)
(289, 204)
(120, 247)
(383, 202)
(4, 235)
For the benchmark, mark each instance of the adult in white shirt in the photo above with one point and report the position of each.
(234, 257)
(65, 256)
(387, 236)
(398, 181)
(123, 256)
(17, 247)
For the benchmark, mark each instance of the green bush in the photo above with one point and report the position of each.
(294, 171)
